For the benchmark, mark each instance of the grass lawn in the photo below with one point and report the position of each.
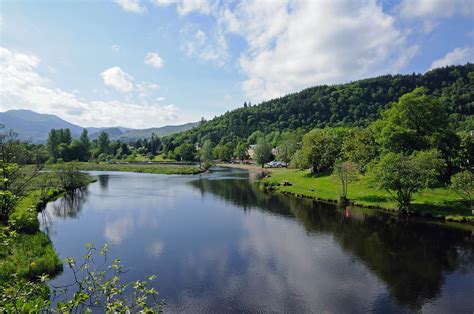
(158, 157)
(439, 202)
(146, 168)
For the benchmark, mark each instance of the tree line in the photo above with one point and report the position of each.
(356, 104)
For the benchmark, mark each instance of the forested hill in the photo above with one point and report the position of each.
(352, 104)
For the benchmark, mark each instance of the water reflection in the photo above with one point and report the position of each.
(103, 181)
(410, 256)
(218, 244)
(70, 205)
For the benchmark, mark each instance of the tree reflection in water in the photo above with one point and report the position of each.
(410, 256)
(103, 181)
(70, 205)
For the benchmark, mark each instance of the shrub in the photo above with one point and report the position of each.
(71, 179)
(463, 184)
(8, 202)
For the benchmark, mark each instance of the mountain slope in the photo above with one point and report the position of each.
(35, 126)
(112, 132)
(352, 104)
(163, 131)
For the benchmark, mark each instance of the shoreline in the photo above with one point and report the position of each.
(427, 211)
(155, 168)
(248, 167)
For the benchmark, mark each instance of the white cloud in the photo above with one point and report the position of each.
(457, 56)
(428, 12)
(118, 79)
(164, 3)
(435, 8)
(21, 86)
(199, 45)
(131, 5)
(188, 6)
(154, 59)
(293, 45)
(116, 47)
(185, 7)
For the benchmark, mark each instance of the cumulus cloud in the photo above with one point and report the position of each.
(435, 8)
(21, 86)
(133, 6)
(293, 45)
(154, 59)
(454, 57)
(118, 79)
(429, 12)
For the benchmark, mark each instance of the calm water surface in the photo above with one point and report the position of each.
(218, 244)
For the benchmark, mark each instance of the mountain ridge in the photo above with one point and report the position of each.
(34, 126)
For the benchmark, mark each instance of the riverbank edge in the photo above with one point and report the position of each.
(466, 220)
(154, 168)
(248, 167)
(30, 241)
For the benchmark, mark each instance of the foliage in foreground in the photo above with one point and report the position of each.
(95, 286)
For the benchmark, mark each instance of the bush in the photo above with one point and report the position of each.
(25, 220)
(96, 287)
(8, 202)
(71, 179)
(463, 184)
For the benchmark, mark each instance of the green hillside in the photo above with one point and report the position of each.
(352, 104)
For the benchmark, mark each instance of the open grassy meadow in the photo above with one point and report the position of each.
(438, 202)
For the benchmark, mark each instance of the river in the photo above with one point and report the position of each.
(219, 244)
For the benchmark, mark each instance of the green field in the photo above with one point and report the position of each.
(440, 202)
(145, 168)
(158, 157)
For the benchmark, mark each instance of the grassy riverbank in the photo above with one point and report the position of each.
(30, 252)
(440, 203)
(143, 168)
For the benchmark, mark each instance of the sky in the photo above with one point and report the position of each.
(149, 63)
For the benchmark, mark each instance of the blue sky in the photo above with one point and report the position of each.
(156, 62)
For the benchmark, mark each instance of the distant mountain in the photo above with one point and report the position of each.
(93, 130)
(163, 131)
(34, 127)
(112, 132)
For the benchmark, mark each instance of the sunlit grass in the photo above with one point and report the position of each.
(437, 202)
(146, 168)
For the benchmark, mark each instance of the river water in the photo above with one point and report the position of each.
(218, 244)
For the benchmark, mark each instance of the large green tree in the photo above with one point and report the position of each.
(403, 175)
(288, 145)
(103, 143)
(206, 153)
(418, 121)
(223, 151)
(361, 148)
(241, 151)
(320, 149)
(185, 152)
(84, 146)
(263, 152)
